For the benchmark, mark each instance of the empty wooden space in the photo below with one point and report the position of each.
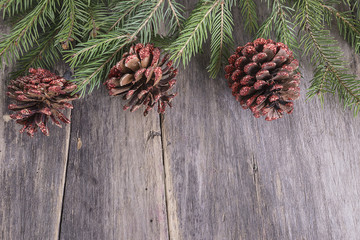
(205, 170)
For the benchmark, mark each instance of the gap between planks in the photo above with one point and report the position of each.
(67, 152)
(170, 200)
(165, 164)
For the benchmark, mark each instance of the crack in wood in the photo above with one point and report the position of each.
(170, 200)
(163, 146)
(67, 154)
(257, 206)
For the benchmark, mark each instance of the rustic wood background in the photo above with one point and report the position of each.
(206, 170)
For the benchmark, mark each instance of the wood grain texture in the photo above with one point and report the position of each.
(231, 176)
(115, 180)
(225, 175)
(32, 175)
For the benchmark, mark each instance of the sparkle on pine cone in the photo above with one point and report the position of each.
(40, 96)
(143, 77)
(262, 77)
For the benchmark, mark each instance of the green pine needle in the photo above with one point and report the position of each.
(123, 10)
(330, 74)
(195, 31)
(14, 7)
(174, 15)
(280, 22)
(93, 59)
(26, 32)
(72, 14)
(221, 38)
(348, 26)
(96, 22)
(45, 55)
(248, 12)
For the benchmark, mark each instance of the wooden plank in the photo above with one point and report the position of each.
(115, 182)
(32, 175)
(231, 176)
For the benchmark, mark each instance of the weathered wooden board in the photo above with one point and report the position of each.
(115, 178)
(224, 175)
(231, 176)
(32, 175)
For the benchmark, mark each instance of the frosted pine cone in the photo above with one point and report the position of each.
(262, 77)
(40, 96)
(143, 77)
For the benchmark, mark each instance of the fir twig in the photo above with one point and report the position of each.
(195, 31)
(26, 32)
(96, 22)
(174, 13)
(248, 12)
(348, 26)
(330, 75)
(280, 22)
(123, 10)
(72, 15)
(45, 55)
(221, 38)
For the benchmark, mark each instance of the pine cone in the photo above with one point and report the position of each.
(40, 95)
(262, 77)
(143, 78)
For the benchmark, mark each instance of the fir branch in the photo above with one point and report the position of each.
(321, 74)
(94, 47)
(280, 22)
(348, 26)
(221, 38)
(195, 31)
(248, 12)
(174, 13)
(72, 16)
(125, 9)
(45, 55)
(26, 32)
(94, 58)
(96, 22)
(330, 75)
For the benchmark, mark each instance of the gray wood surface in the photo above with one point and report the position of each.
(32, 175)
(231, 176)
(206, 170)
(115, 180)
